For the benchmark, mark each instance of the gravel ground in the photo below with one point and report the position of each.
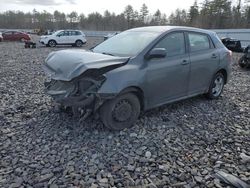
(177, 145)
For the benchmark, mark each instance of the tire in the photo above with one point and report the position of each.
(52, 43)
(242, 62)
(78, 43)
(121, 112)
(216, 86)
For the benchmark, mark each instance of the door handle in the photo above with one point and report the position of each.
(185, 62)
(214, 56)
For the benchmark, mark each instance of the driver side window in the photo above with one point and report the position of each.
(174, 43)
(60, 34)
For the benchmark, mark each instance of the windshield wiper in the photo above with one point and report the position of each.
(108, 54)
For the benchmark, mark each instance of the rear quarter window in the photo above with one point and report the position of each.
(78, 33)
(217, 42)
(198, 42)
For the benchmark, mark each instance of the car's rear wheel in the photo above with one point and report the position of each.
(120, 112)
(216, 86)
(52, 43)
(78, 43)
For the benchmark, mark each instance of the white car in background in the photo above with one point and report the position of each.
(1, 37)
(64, 37)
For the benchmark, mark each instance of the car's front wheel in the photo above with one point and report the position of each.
(120, 112)
(52, 43)
(216, 86)
(78, 43)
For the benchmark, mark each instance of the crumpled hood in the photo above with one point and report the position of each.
(68, 64)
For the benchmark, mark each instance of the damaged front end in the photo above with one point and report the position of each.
(74, 82)
(78, 93)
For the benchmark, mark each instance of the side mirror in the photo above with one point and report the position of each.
(157, 53)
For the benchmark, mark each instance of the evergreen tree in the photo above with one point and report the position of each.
(144, 12)
(193, 14)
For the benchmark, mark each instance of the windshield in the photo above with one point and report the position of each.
(128, 43)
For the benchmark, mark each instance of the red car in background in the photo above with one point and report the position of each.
(15, 36)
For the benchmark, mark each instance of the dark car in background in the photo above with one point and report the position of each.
(15, 36)
(244, 61)
(232, 44)
(110, 35)
(138, 70)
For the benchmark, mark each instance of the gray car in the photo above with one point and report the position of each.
(137, 70)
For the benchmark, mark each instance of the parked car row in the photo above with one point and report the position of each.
(62, 37)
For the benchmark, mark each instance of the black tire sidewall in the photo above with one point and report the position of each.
(210, 92)
(242, 65)
(108, 107)
(50, 44)
(78, 45)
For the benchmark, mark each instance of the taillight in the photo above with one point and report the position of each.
(230, 56)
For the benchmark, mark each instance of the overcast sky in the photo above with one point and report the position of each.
(89, 6)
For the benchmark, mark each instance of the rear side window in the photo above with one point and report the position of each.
(174, 44)
(217, 41)
(198, 42)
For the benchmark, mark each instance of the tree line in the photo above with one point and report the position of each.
(209, 14)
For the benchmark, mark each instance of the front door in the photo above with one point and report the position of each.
(60, 38)
(168, 77)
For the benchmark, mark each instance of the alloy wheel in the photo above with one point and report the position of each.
(218, 86)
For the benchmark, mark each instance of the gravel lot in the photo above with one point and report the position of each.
(178, 145)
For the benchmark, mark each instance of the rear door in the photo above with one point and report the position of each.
(204, 60)
(167, 78)
(72, 37)
(17, 36)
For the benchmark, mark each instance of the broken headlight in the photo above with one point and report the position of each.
(89, 85)
(57, 87)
